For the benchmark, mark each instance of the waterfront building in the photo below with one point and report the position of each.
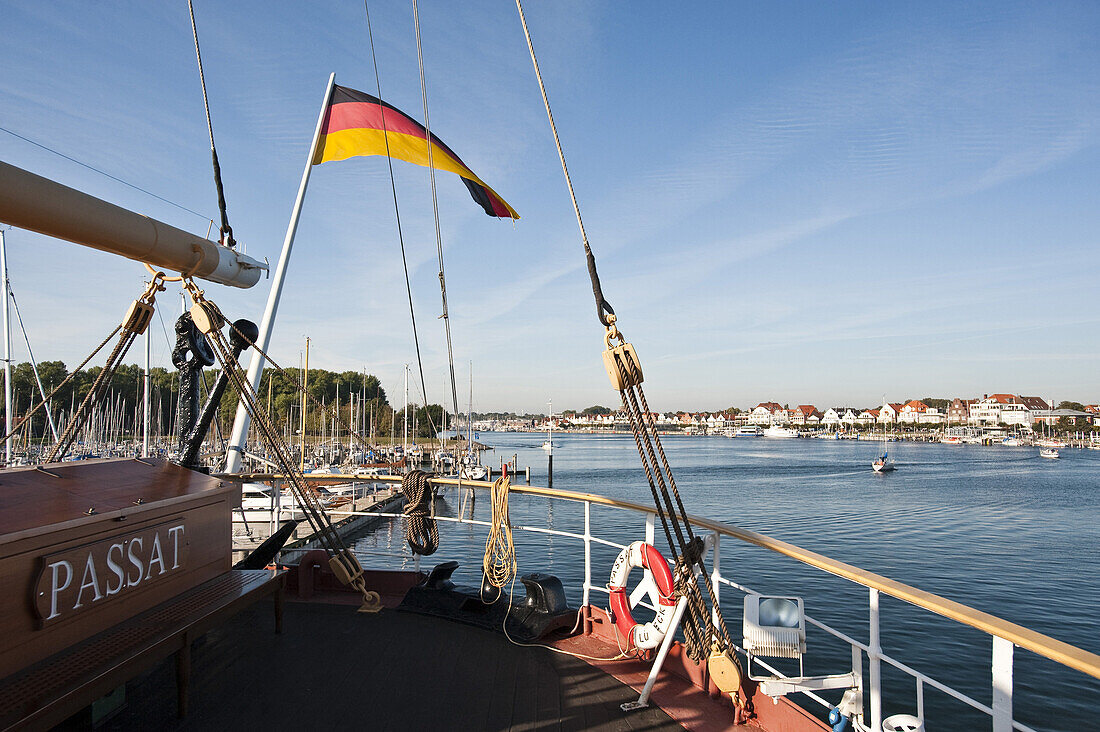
(805, 414)
(868, 416)
(912, 411)
(959, 411)
(889, 413)
(763, 413)
(931, 416)
(1007, 409)
(831, 417)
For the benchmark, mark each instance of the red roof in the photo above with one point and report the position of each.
(916, 405)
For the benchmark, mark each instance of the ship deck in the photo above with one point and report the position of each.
(336, 668)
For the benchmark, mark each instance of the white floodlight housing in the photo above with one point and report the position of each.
(774, 627)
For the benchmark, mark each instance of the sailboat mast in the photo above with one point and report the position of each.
(145, 396)
(405, 414)
(7, 349)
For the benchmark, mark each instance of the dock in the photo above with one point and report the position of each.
(385, 498)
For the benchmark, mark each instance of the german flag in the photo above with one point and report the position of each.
(359, 124)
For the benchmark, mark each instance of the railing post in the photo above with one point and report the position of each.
(587, 551)
(857, 675)
(649, 529)
(715, 574)
(873, 664)
(1002, 685)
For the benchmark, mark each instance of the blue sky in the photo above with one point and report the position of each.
(802, 202)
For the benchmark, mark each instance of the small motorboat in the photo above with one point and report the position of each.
(1049, 452)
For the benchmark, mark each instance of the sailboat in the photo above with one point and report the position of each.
(884, 463)
(471, 466)
(549, 445)
(1048, 445)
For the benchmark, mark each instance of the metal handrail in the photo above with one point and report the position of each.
(1043, 645)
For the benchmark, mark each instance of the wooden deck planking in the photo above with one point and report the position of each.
(395, 671)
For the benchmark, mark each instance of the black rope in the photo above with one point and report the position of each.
(603, 307)
(226, 229)
(420, 528)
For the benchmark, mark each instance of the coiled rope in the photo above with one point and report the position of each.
(499, 563)
(421, 531)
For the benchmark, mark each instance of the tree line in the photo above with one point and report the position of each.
(360, 396)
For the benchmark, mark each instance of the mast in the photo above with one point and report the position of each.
(255, 368)
(550, 456)
(405, 414)
(7, 349)
(470, 416)
(145, 397)
(305, 383)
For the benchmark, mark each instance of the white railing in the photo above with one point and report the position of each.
(1000, 709)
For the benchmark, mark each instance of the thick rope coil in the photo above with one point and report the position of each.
(420, 528)
(499, 563)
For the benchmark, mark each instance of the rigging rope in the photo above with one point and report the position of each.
(342, 561)
(136, 321)
(421, 531)
(704, 633)
(204, 217)
(34, 364)
(70, 377)
(604, 311)
(397, 215)
(435, 210)
(226, 230)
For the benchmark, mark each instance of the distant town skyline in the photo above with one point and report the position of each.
(801, 202)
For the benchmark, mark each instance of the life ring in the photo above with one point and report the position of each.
(648, 635)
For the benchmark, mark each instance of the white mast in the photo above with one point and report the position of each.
(255, 367)
(7, 349)
(405, 418)
(145, 417)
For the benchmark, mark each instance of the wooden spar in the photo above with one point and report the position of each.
(38, 204)
(255, 366)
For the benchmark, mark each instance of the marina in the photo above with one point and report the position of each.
(221, 537)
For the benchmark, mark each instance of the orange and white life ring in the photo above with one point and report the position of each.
(648, 635)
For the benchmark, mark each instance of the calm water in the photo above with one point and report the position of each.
(996, 528)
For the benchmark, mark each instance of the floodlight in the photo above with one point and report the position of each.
(774, 627)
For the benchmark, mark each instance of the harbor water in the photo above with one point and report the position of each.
(995, 528)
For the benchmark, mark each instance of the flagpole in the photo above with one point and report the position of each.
(235, 449)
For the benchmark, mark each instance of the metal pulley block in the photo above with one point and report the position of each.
(631, 374)
(137, 317)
